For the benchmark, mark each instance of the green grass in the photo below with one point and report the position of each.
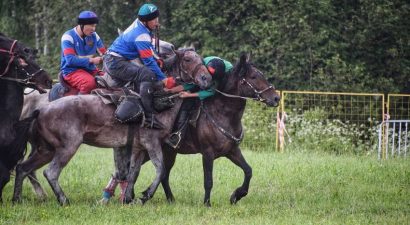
(287, 188)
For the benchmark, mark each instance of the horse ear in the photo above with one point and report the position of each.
(248, 56)
(179, 53)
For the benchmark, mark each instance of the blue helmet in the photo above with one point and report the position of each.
(148, 12)
(87, 17)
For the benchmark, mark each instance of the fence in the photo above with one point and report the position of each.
(346, 108)
(394, 138)
(265, 127)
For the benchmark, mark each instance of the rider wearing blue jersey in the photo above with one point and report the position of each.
(136, 43)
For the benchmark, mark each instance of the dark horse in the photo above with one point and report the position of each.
(218, 131)
(17, 71)
(63, 125)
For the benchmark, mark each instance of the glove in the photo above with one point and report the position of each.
(160, 63)
(170, 82)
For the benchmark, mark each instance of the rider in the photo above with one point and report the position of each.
(79, 45)
(136, 42)
(218, 68)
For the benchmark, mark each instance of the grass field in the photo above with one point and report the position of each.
(286, 188)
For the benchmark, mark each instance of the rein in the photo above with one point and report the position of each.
(12, 56)
(237, 140)
(258, 93)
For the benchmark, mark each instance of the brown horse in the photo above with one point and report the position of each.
(63, 125)
(18, 70)
(218, 131)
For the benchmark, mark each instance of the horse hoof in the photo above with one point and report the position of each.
(103, 201)
(207, 204)
(64, 202)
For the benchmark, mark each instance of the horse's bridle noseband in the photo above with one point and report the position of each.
(257, 93)
(13, 55)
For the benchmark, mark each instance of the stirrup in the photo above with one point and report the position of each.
(174, 136)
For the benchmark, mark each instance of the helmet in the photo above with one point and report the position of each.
(148, 12)
(87, 17)
(216, 68)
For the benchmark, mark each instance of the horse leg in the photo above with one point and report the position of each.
(52, 173)
(207, 164)
(122, 162)
(236, 157)
(4, 178)
(36, 185)
(137, 160)
(155, 154)
(34, 162)
(33, 177)
(169, 160)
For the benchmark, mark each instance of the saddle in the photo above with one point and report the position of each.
(128, 104)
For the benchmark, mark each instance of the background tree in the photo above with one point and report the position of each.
(327, 45)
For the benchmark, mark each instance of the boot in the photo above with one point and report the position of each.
(146, 90)
(175, 138)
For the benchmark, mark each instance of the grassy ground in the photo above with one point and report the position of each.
(288, 188)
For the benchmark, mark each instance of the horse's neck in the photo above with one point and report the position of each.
(168, 117)
(11, 98)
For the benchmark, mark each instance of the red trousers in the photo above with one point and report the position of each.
(81, 80)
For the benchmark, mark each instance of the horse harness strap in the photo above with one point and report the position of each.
(12, 55)
(258, 93)
(237, 140)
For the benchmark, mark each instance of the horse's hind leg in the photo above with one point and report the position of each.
(236, 157)
(52, 173)
(4, 178)
(33, 179)
(37, 186)
(30, 165)
(122, 163)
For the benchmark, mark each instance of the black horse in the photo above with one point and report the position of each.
(17, 71)
(218, 132)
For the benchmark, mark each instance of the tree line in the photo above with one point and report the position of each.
(323, 45)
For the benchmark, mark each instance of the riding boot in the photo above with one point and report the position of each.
(179, 130)
(146, 90)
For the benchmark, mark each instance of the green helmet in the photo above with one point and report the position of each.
(148, 12)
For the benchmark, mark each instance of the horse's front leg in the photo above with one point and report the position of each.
(207, 164)
(155, 154)
(169, 160)
(136, 162)
(236, 157)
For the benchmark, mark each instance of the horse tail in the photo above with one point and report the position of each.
(18, 148)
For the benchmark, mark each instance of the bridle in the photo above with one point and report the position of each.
(186, 73)
(257, 93)
(12, 54)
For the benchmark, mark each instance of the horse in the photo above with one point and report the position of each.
(218, 132)
(64, 124)
(18, 70)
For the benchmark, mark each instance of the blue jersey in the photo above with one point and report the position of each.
(136, 42)
(76, 51)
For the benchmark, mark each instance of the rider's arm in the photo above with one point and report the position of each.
(100, 45)
(67, 47)
(145, 50)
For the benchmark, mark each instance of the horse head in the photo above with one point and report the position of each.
(17, 63)
(189, 67)
(252, 83)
